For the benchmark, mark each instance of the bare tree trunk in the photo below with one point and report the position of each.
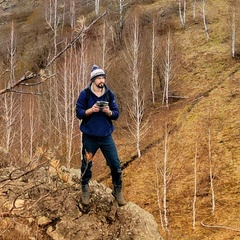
(233, 32)
(136, 107)
(53, 18)
(195, 186)
(204, 19)
(68, 101)
(32, 126)
(158, 195)
(167, 71)
(182, 13)
(153, 61)
(104, 46)
(210, 171)
(194, 9)
(97, 6)
(72, 13)
(10, 103)
(122, 5)
(165, 180)
(136, 87)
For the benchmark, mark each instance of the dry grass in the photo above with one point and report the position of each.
(211, 80)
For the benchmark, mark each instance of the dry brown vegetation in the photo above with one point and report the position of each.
(206, 74)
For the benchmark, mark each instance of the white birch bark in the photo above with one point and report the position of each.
(122, 5)
(233, 33)
(72, 13)
(182, 12)
(211, 172)
(104, 46)
(32, 126)
(153, 61)
(194, 9)
(167, 71)
(159, 200)
(10, 103)
(195, 187)
(97, 6)
(136, 107)
(165, 180)
(204, 19)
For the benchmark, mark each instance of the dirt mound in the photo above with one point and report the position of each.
(42, 202)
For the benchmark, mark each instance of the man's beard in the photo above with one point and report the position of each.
(100, 85)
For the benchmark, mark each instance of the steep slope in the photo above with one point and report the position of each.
(204, 127)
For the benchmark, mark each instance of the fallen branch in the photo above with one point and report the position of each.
(219, 226)
(12, 178)
(180, 97)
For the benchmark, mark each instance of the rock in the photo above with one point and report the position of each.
(54, 208)
(103, 219)
(42, 221)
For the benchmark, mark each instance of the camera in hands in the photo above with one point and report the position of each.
(102, 104)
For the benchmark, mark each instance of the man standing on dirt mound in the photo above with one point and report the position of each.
(97, 107)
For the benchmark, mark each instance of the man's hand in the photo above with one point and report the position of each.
(95, 108)
(107, 111)
(91, 110)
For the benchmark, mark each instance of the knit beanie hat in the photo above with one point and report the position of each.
(96, 71)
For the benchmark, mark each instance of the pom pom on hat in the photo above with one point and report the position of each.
(97, 71)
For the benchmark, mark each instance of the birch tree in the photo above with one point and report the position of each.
(234, 16)
(195, 186)
(182, 12)
(204, 19)
(122, 6)
(233, 35)
(211, 171)
(10, 103)
(154, 54)
(97, 6)
(159, 200)
(194, 9)
(72, 12)
(104, 45)
(68, 96)
(165, 180)
(136, 107)
(33, 122)
(167, 68)
(21, 124)
(53, 19)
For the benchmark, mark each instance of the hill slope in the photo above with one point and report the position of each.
(202, 129)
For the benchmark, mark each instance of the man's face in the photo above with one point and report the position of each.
(100, 81)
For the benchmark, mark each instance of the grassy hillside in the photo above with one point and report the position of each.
(202, 128)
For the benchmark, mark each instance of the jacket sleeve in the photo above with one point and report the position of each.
(113, 106)
(81, 105)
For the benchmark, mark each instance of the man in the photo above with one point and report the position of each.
(96, 107)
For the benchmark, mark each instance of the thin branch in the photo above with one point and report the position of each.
(219, 226)
(79, 35)
(26, 77)
(30, 75)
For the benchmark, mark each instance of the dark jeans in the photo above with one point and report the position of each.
(106, 144)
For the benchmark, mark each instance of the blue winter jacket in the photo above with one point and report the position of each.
(98, 123)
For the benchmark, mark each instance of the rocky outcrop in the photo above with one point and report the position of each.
(52, 208)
